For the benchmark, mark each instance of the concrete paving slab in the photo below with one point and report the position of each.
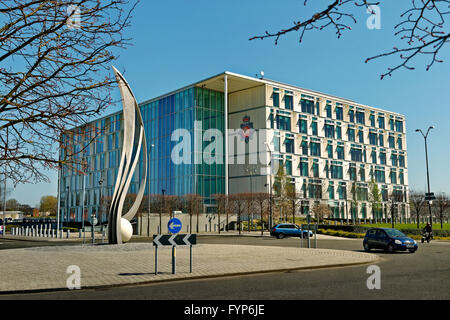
(46, 268)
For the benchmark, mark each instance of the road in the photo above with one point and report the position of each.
(422, 275)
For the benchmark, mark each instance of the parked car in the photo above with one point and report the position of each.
(282, 230)
(388, 239)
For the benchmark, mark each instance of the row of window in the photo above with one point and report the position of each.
(334, 132)
(358, 116)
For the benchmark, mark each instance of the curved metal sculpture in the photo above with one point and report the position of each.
(133, 141)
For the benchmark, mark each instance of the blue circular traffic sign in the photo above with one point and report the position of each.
(174, 225)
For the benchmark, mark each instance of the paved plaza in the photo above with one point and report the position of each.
(46, 268)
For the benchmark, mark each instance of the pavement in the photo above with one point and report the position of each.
(49, 268)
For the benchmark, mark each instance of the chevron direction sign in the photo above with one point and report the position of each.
(174, 240)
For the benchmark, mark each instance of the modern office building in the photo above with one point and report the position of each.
(331, 148)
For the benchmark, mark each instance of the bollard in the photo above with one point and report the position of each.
(79, 234)
(206, 227)
(68, 234)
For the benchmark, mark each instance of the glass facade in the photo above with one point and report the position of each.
(161, 117)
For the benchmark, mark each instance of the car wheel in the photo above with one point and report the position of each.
(390, 248)
(366, 247)
(280, 235)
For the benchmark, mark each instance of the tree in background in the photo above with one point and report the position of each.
(282, 189)
(321, 211)
(374, 198)
(48, 204)
(55, 74)
(193, 205)
(262, 204)
(422, 29)
(222, 207)
(238, 205)
(12, 205)
(417, 204)
(442, 205)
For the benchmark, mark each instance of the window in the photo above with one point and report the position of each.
(399, 143)
(362, 174)
(336, 171)
(382, 158)
(339, 113)
(304, 168)
(373, 138)
(401, 178)
(352, 173)
(379, 175)
(340, 152)
(373, 156)
(401, 161)
(356, 154)
(351, 115)
(315, 189)
(314, 128)
(289, 143)
(381, 140)
(288, 166)
(393, 176)
(351, 134)
(342, 191)
(276, 98)
(330, 151)
(361, 136)
(303, 126)
(315, 169)
(276, 143)
(391, 124)
(307, 106)
(289, 100)
(328, 111)
(304, 147)
(394, 160)
(315, 149)
(398, 126)
(283, 123)
(331, 192)
(338, 132)
(360, 117)
(372, 120)
(391, 141)
(380, 122)
(329, 131)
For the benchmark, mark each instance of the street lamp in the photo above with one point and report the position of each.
(67, 206)
(148, 191)
(270, 186)
(425, 136)
(251, 172)
(162, 208)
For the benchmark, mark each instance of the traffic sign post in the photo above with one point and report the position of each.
(174, 240)
(309, 227)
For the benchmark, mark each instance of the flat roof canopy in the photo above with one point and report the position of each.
(235, 83)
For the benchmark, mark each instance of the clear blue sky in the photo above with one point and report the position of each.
(179, 42)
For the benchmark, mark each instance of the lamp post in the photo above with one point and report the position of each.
(67, 207)
(251, 172)
(425, 136)
(148, 191)
(162, 208)
(270, 186)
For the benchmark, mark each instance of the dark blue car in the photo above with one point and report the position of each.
(282, 230)
(388, 239)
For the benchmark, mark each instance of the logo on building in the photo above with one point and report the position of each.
(247, 128)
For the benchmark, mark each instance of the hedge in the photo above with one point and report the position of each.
(362, 229)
